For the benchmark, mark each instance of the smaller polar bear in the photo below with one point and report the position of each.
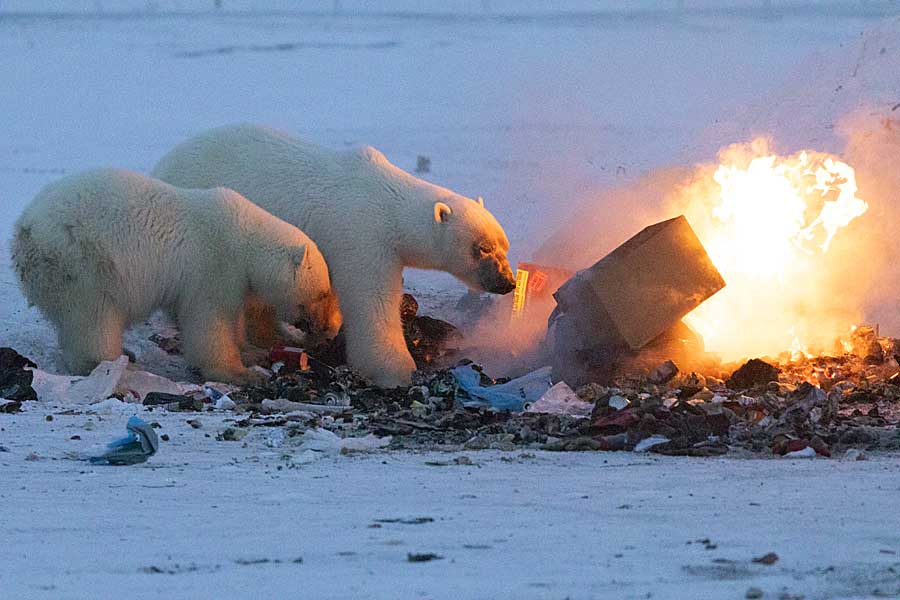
(104, 249)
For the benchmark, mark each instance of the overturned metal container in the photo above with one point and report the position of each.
(631, 297)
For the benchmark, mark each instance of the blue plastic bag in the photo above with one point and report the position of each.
(513, 395)
(140, 444)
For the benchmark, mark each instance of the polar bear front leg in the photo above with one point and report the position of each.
(210, 342)
(376, 347)
(250, 354)
(90, 331)
(240, 330)
(261, 326)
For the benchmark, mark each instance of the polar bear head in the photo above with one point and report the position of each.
(298, 286)
(473, 243)
(439, 228)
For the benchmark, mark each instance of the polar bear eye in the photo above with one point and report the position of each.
(483, 249)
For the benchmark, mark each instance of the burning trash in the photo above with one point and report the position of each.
(772, 226)
(638, 292)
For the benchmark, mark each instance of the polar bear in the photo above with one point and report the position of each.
(101, 250)
(369, 218)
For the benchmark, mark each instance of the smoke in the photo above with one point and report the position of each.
(604, 219)
(807, 304)
(873, 149)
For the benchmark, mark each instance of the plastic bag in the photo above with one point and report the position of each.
(140, 444)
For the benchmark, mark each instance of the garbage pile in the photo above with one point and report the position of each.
(761, 407)
(796, 408)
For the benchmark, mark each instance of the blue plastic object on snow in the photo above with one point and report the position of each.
(140, 444)
(513, 395)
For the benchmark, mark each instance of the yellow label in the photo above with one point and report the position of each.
(519, 295)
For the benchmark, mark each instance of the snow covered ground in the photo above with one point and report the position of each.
(536, 115)
(511, 525)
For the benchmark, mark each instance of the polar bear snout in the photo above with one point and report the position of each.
(495, 275)
(321, 318)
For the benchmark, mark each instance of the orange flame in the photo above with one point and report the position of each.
(767, 222)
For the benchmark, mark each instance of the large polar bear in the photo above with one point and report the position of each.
(369, 218)
(103, 249)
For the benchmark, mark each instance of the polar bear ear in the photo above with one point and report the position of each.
(480, 201)
(441, 212)
(372, 155)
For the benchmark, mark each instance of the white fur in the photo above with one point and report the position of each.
(369, 218)
(103, 249)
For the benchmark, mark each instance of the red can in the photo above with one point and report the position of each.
(294, 359)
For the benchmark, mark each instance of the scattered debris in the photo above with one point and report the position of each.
(846, 405)
(292, 359)
(220, 400)
(663, 373)
(231, 434)
(477, 390)
(10, 406)
(140, 444)
(282, 405)
(459, 460)
(754, 372)
(169, 344)
(864, 341)
(769, 558)
(415, 521)
(805, 452)
(618, 402)
(535, 284)
(161, 398)
(15, 379)
(415, 557)
(327, 442)
(854, 454)
(108, 379)
(647, 443)
(266, 561)
(561, 400)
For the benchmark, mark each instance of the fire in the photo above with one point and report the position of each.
(768, 223)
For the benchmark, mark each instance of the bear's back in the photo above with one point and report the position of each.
(118, 207)
(135, 237)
